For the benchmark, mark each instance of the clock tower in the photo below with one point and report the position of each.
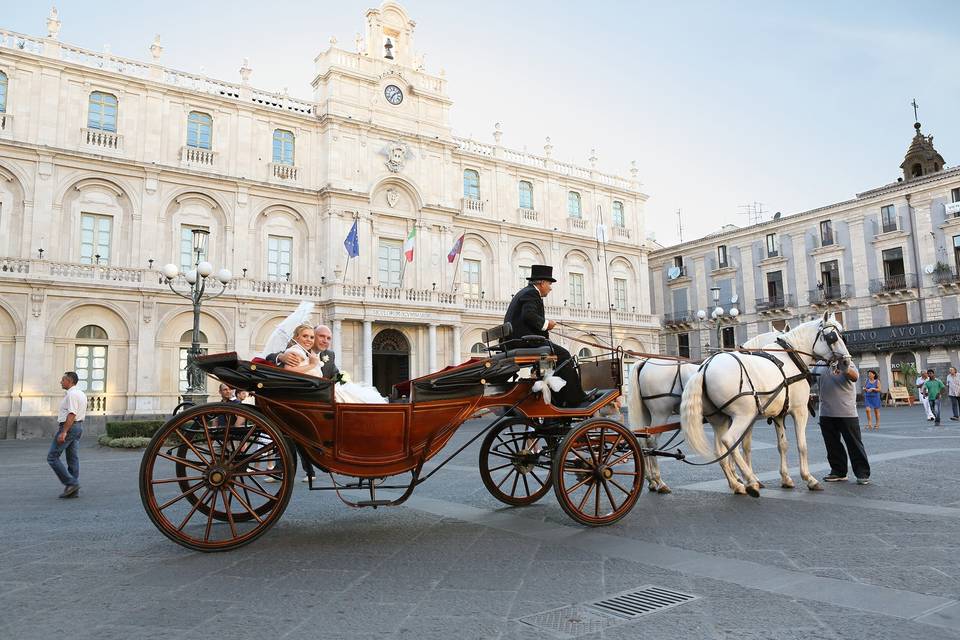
(383, 80)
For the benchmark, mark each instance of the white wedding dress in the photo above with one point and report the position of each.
(345, 391)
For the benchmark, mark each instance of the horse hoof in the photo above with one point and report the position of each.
(739, 490)
(786, 485)
(664, 489)
(761, 485)
(816, 487)
(753, 491)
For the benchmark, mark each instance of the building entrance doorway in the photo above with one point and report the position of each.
(391, 360)
(902, 367)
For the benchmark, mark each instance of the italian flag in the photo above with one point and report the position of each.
(409, 243)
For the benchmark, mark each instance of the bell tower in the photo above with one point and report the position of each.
(390, 34)
(921, 158)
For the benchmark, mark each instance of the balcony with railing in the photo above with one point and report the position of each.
(194, 157)
(831, 295)
(621, 233)
(284, 172)
(885, 227)
(773, 304)
(100, 140)
(578, 226)
(529, 217)
(471, 207)
(947, 279)
(679, 318)
(903, 284)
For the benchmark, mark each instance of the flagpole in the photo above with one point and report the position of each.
(602, 233)
(456, 266)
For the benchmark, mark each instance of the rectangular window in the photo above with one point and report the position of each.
(729, 338)
(102, 112)
(526, 195)
(389, 263)
(3, 92)
(199, 130)
(678, 262)
(773, 245)
(722, 257)
(830, 279)
(956, 252)
(826, 233)
(620, 294)
(471, 278)
(576, 290)
(90, 363)
(573, 205)
(188, 258)
(955, 194)
(893, 271)
(888, 218)
(898, 314)
(619, 219)
(283, 147)
(775, 287)
(471, 184)
(279, 250)
(683, 345)
(95, 232)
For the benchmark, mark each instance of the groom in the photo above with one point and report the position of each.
(321, 346)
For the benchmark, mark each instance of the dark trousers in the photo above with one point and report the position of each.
(305, 463)
(955, 406)
(847, 429)
(572, 392)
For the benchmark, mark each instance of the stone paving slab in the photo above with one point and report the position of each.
(455, 563)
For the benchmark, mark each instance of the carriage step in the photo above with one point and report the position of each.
(374, 503)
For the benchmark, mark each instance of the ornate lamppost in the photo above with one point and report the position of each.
(719, 314)
(197, 280)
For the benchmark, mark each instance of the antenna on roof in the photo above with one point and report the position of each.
(754, 212)
(680, 225)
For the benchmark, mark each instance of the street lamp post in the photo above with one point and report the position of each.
(718, 314)
(197, 280)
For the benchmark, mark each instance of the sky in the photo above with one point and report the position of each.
(794, 105)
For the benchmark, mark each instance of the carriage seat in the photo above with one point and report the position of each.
(522, 352)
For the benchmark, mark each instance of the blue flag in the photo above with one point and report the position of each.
(352, 243)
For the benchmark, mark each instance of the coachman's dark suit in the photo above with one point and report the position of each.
(528, 318)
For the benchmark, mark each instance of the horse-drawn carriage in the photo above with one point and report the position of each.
(219, 475)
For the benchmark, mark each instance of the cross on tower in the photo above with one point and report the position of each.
(915, 105)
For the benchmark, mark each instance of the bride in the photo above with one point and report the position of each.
(308, 351)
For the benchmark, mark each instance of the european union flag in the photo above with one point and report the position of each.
(352, 243)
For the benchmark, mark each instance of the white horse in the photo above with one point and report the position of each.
(654, 390)
(744, 386)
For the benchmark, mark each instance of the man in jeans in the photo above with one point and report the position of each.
(839, 420)
(73, 409)
(935, 389)
(953, 391)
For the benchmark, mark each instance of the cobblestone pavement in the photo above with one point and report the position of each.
(877, 561)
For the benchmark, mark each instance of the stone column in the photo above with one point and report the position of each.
(432, 347)
(457, 349)
(337, 339)
(368, 352)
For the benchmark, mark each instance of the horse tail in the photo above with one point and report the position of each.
(639, 414)
(691, 415)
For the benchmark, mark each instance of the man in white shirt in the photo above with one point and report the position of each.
(73, 410)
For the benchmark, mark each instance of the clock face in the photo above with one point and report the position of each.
(393, 94)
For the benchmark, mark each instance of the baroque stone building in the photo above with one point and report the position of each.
(107, 164)
(885, 261)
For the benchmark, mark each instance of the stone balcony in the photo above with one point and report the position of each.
(895, 287)
(201, 158)
(472, 207)
(286, 173)
(579, 226)
(135, 281)
(529, 217)
(100, 140)
(621, 234)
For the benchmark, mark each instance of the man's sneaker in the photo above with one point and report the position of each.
(955, 418)
(832, 477)
(863, 480)
(70, 491)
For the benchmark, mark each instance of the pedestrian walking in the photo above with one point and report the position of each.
(935, 389)
(953, 392)
(840, 422)
(871, 399)
(73, 410)
(922, 394)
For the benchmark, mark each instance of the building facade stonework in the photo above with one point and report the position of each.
(885, 261)
(107, 164)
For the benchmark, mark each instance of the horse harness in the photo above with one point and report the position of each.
(670, 394)
(802, 375)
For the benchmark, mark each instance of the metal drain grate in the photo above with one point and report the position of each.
(640, 602)
(598, 615)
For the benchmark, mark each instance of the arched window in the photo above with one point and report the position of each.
(95, 238)
(584, 353)
(3, 92)
(90, 359)
(526, 195)
(479, 348)
(102, 113)
(199, 130)
(573, 205)
(187, 340)
(471, 184)
(283, 146)
(618, 218)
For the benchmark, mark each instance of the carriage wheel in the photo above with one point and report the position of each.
(201, 481)
(598, 472)
(515, 463)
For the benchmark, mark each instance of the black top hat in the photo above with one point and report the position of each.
(541, 272)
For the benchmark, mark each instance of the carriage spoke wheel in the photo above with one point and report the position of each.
(515, 463)
(204, 477)
(598, 472)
